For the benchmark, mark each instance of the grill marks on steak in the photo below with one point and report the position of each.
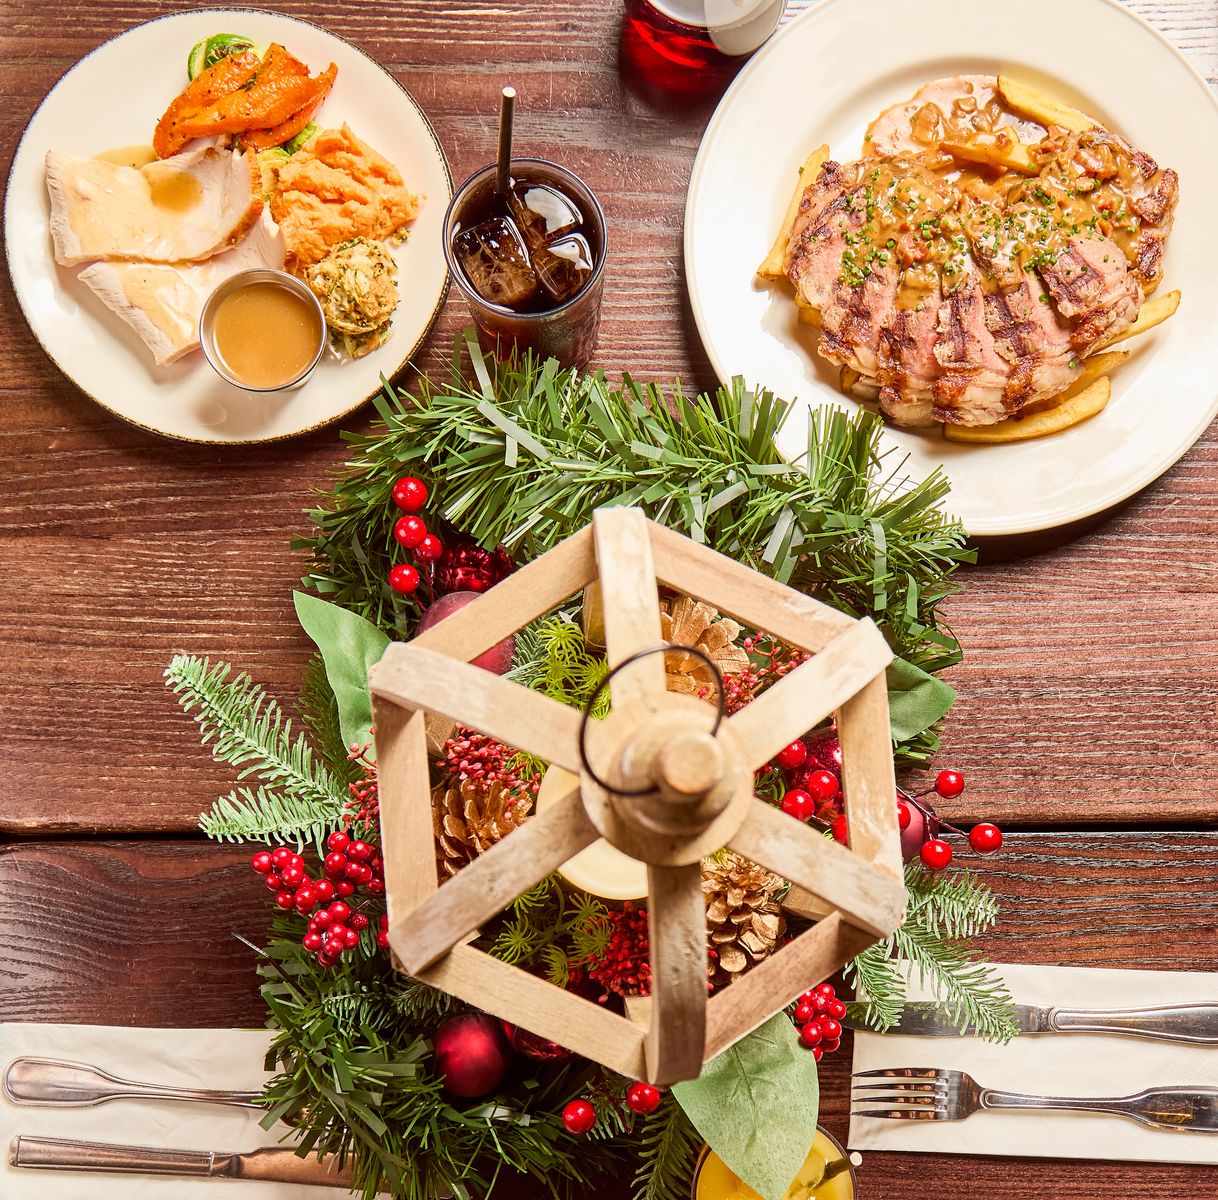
(998, 336)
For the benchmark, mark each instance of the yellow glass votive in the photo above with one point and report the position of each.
(827, 1174)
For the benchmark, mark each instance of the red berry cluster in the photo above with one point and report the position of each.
(934, 851)
(411, 533)
(580, 1115)
(818, 1014)
(624, 966)
(813, 768)
(335, 926)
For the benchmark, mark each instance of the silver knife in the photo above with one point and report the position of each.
(1196, 1024)
(271, 1163)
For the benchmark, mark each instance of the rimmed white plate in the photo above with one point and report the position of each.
(114, 97)
(822, 79)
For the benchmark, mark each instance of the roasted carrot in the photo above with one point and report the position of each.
(205, 89)
(262, 139)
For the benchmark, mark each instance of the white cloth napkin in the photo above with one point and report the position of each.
(1063, 1064)
(230, 1059)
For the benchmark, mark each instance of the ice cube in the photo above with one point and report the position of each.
(496, 261)
(564, 266)
(542, 213)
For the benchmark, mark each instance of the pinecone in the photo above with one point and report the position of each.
(744, 919)
(689, 622)
(469, 817)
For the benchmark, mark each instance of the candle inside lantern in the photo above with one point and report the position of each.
(601, 869)
(825, 1175)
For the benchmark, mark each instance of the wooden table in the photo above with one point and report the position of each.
(1087, 715)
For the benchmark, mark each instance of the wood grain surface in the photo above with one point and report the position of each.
(119, 549)
(1089, 692)
(115, 932)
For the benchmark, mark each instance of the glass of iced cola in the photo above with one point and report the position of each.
(531, 265)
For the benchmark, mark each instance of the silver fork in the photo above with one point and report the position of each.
(933, 1094)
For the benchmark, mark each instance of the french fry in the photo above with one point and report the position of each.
(1040, 106)
(1077, 408)
(1092, 368)
(772, 265)
(1004, 152)
(859, 386)
(1153, 312)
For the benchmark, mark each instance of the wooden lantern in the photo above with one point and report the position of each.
(690, 795)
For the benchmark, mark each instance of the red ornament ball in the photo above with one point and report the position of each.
(429, 548)
(798, 804)
(822, 784)
(923, 824)
(409, 532)
(949, 784)
(936, 854)
(498, 659)
(579, 1116)
(840, 830)
(472, 1055)
(985, 838)
(792, 756)
(642, 1098)
(404, 578)
(410, 493)
(532, 1046)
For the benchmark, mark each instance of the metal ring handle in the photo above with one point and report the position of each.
(662, 648)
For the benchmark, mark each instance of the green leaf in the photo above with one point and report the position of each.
(756, 1105)
(916, 699)
(349, 645)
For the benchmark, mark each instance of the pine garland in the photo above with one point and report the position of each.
(944, 912)
(296, 797)
(523, 458)
(362, 1091)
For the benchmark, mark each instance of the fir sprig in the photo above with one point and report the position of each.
(667, 1146)
(554, 928)
(524, 456)
(295, 797)
(943, 913)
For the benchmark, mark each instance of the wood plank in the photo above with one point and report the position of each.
(118, 548)
(867, 896)
(74, 953)
(631, 604)
(676, 1032)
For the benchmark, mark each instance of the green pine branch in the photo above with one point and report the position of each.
(524, 455)
(944, 912)
(295, 797)
(318, 708)
(667, 1147)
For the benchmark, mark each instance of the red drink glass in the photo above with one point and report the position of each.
(672, 38)
(492, 253)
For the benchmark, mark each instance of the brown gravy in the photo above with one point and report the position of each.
(265, 335)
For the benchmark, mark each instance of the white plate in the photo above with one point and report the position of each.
(114, 97)
(822, 79)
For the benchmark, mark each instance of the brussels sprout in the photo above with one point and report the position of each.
(298, 142)
(211, 50)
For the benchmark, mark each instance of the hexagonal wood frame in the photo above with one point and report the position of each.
(859, 889)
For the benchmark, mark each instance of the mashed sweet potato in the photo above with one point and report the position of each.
(335, 189)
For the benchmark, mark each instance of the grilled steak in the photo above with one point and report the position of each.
(965, 299)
